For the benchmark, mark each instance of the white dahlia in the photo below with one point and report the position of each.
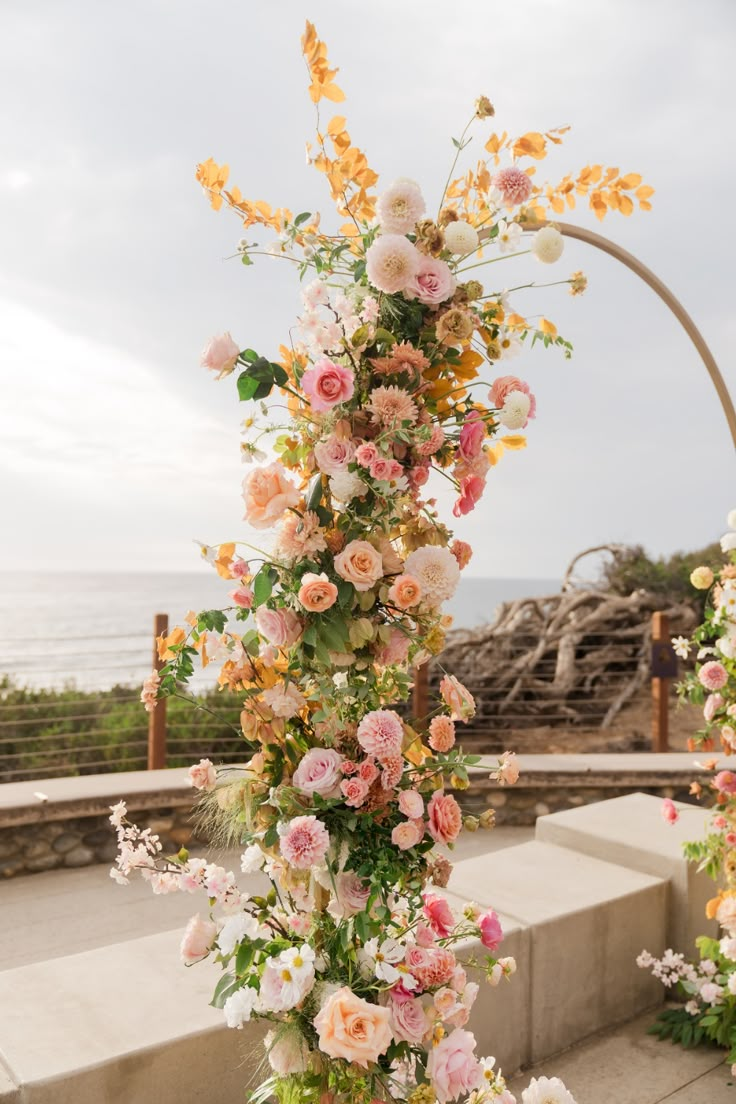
(515, 411)
(548, 245)
(546, 1090)
(437, 571)
(400, 207)
(461, 237)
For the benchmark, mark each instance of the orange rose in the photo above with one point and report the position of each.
(405, 592)
(268, 494)
(359, 564)
(317, 593)
(351, 1028)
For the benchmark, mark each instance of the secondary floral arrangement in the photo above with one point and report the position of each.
(353, 954)
(709, 986)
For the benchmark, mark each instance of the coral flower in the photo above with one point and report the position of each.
(317, 593)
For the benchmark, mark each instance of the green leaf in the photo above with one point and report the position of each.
(256, 382)
(244, 958)
(271, 837)
(245, 259)
(263, 584)
(302, 218)
(214, 620)
(250, 355)
(332, 634)
(280, 375)
(224, 988)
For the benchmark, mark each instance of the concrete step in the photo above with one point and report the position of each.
(630, 831)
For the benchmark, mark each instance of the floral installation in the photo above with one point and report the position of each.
(354, 956)
(708, 987)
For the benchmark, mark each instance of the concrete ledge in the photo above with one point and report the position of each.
(630, 831)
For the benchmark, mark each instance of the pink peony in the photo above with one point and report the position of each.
(452, 1067)
(391, 263)
(505, 386)
(713, 675)
(197, 941)
(471, 492)
(411, 804)
(713, 703)
(319, 772)
(725, 782)
(439, 915)
(333, 454)
(316, 592)
(220, 355)
(458, 700)
(303, 842)
(441, 734)
(432, 283)
(281, 627)
(407, 834)
(381, 733)
(268, 494)
(472, 436)
(445, 817)
(400, 207)
(409, 1021)
(327, 383)
(514, 185)
(354, 790)
(360, 564)
(203, 776)
(491, 932)
(242, 596)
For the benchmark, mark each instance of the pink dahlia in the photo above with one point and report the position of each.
(391, 262)
(713, 675)
(304, 842)
(514, 185)
(391, 406)
(393, 769)
(400, 207)
(441, 734)
(381, 734)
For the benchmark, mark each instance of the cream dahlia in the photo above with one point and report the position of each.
(437, 571)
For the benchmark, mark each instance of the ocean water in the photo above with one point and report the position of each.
(96, 630)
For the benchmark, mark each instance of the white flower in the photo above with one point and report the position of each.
(728, 542)
(243, 245)
(509, 235)
(238, 1007)
(710, 992)
(287, 979)
(515, 411)
(548, 245)
(340, 680)
(379, 960)
(681, 644)
(117, 814)
(692, 1008)
(235, 929)
(252, 859)
(315, 295)
(727, 646)
(461, 237)
(509, 344)
(400, 207)
(249, 454)
(727, 947)
(437, 571)
(731, 519)
(345, 486)
(546, 1090)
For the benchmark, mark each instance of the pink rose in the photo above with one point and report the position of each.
(368, 771)
(396, 651)
(238, 568)
(334, 454)
(349, 1027)
(327, 383)
(445, 817)
(472, 436)
(354, 790)
(452, 1067)
(724, 782)
(439, 915)
(220, 355)
(385, 469)
(411, 804)
(281, 627)
(491, 932)
(268, 494)
(317, 593)
(419, 476)
(319, 772)
(713, 703)
(508, 769)
(458, 700)
(432, 283)
(471, 492)
(409, 1021)
(197, 941)
(365, 454)
(203, 776)
(242, 596)
(504, 386)
(360, 564)
(352, 894)
(407, 834)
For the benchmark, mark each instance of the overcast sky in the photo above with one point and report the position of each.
(116, 449)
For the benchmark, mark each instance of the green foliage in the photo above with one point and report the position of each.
(634, 570)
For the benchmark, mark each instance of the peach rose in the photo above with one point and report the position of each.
(351, 1028)
(407, 834)
(405, 592)
(458, 700)
(268, 494)
(203, 776)
(445, 817)
(360, 564)
(317, 593)
(198, 939)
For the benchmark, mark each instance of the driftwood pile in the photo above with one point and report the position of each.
(573, 659)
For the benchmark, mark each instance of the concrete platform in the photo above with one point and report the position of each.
(630, 831)
(627, 1066)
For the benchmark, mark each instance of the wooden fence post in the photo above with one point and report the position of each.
(420, 693)
(662, 672)
(157, 718)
